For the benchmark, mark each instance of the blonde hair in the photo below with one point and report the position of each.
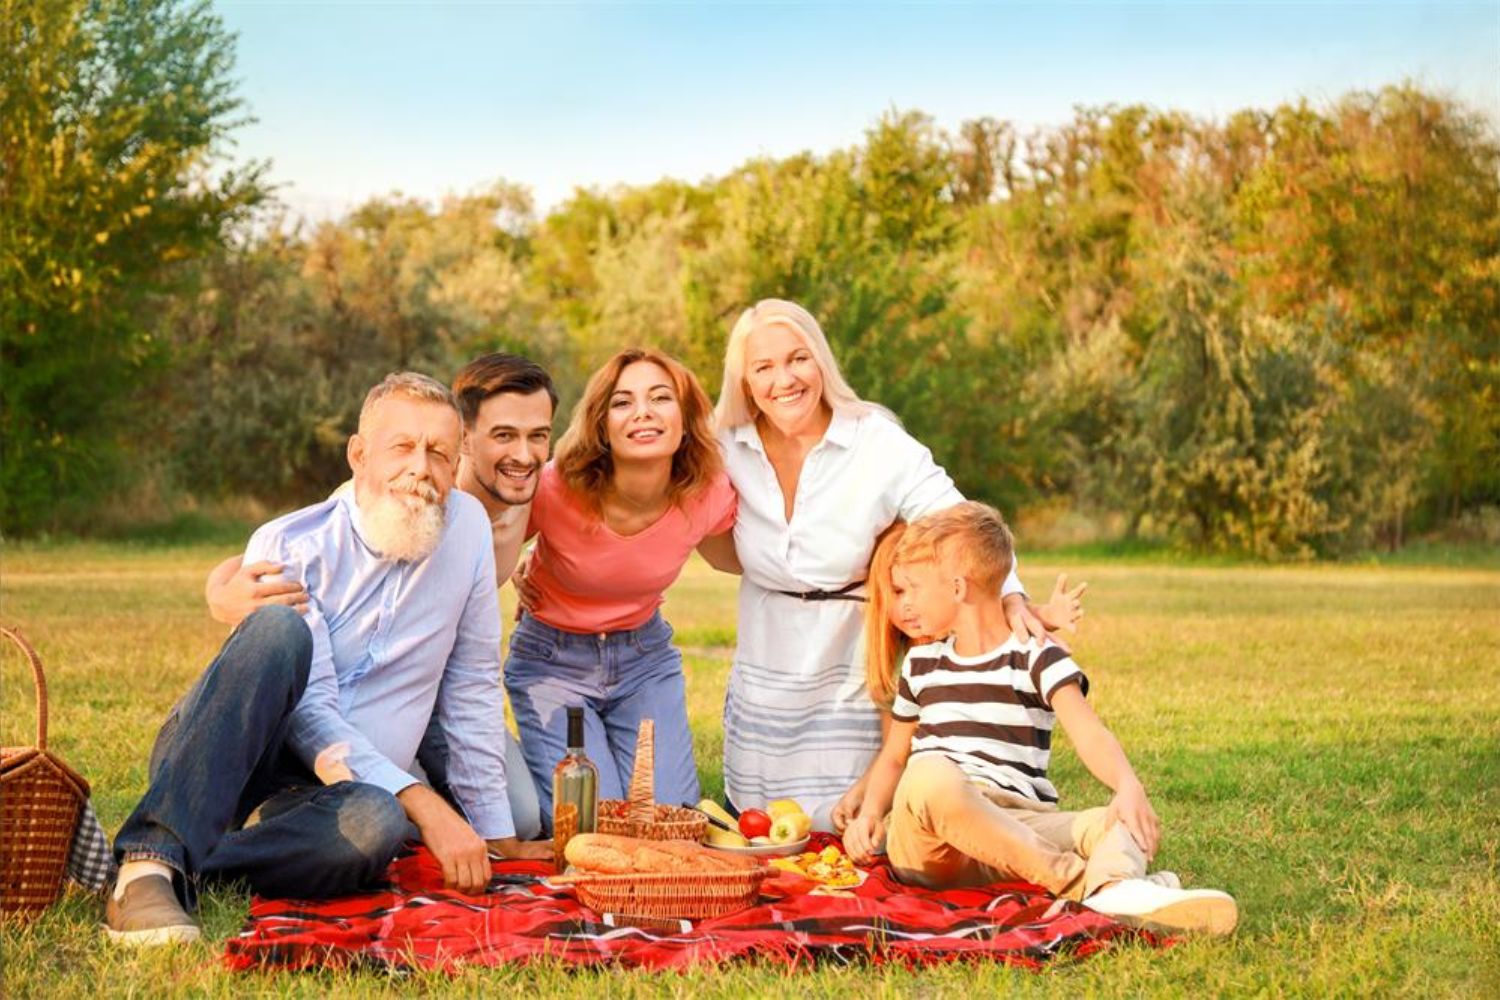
(583, 457)
(970, 538)
(885, 644)
(736, 408)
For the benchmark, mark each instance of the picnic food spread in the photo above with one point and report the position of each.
(607, 854)
(830, 867)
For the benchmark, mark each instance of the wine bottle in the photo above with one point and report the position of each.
(575, 780)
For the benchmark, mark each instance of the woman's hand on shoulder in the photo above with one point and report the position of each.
(1024, 624)
(234, 590)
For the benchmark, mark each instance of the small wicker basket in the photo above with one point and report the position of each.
(40, 798)
(641, 815)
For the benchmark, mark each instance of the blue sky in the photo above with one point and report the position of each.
(359, 99)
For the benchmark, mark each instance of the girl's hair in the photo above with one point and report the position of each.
(736, 408)
(885, 644)
(583, 456)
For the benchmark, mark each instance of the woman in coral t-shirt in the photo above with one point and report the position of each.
(637, 484)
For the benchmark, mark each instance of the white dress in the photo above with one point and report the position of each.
(798, 721)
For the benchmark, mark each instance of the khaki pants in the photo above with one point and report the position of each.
(947, 830)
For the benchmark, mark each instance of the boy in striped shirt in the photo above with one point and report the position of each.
(963, 771)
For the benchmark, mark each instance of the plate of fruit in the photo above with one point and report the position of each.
(781, 828)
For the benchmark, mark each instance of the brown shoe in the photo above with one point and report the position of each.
(148, 913)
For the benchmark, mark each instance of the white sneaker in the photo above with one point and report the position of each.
(1144, 903)
(1168, 879)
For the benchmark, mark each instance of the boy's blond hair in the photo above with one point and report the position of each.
(970, 537)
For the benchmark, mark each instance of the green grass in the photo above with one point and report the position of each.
(1324, 742)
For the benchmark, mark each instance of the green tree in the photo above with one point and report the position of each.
(114, 115)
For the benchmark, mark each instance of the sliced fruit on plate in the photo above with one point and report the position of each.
(719, 837)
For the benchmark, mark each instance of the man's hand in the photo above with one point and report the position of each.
(234, 590)
(463, 853)
(512, 849)
(1065, 607)
(864, 838)
(1131, 807)
(527, 594)
(1024, 625)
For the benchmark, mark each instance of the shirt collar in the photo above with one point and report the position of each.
(345, 496)
(840, 432)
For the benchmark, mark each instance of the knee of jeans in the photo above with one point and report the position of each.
(287, 642)
(371, 824)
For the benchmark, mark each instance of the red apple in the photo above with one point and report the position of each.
(754, 823)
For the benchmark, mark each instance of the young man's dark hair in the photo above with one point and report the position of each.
(491, 374)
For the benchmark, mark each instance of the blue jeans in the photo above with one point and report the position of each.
(619, 678)
(228, 800)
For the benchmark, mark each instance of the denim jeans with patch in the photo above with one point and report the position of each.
(619, 678)
(228, 800)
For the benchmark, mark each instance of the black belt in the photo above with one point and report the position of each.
(842, 594)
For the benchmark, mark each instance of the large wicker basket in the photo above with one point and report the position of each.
(40, 798)
(670, 896)
(641, 815)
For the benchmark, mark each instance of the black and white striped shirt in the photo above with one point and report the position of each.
(990, 714)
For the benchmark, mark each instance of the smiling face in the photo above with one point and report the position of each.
(782, 378)
(925, 599)
(644, 417)
(508, 445)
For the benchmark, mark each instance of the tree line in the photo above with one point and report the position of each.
(1272, 334)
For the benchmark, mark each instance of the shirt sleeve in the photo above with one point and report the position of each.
(317, 721)
(904, 708)
(1051, 668)
(471, 708)
(927, 487)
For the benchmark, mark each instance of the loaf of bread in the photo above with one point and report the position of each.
(607, 854)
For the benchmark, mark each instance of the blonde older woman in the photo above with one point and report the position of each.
(820, 473)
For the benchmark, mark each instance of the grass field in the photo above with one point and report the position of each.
(1323, 742)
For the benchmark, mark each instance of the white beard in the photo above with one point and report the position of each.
(404, 524)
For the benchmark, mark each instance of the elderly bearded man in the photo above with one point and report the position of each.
(402, 619)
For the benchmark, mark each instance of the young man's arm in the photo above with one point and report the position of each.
(234, 589)
(1102, 755)
(865, 835)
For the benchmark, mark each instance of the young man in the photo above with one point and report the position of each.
(400, 621)
(963, 773)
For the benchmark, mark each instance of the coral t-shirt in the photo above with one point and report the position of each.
(591, 579)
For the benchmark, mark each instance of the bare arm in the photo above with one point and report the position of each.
(865, 835)
(234, 590)
(718, 551)
(1102, 754)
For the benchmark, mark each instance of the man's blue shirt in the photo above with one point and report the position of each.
(394, 640)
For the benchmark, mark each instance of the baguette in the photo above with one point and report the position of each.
(607, 854)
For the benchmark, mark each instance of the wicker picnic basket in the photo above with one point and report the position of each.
(641, 815)
(670, 896)
(40, 798)
(654, 896)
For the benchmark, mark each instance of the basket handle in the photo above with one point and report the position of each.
(14, 635)
(641, 801)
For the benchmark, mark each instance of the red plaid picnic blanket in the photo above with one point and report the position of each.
(411, 921)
